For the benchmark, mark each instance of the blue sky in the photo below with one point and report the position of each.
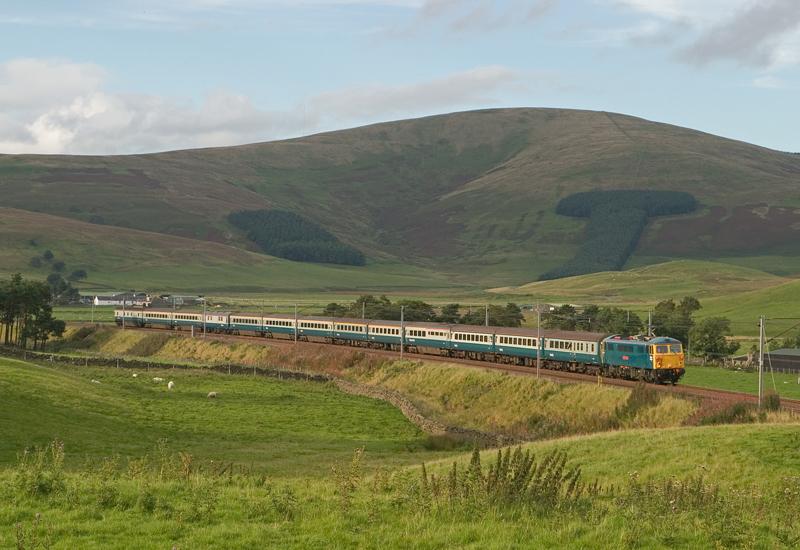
(99, 77)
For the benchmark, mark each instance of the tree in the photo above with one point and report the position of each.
(615, 320)
(708, 338)
(26, 312)
(77, 275)
(563, 318)
(675, 320)
(335, 310)
(449, 314)
(791, 341)
(36, 262)
(59, 266)
(48, 255)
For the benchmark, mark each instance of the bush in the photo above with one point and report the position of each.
(288, 235)
(772, 401)
(738, 413)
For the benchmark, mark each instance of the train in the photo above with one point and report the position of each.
(653, 359)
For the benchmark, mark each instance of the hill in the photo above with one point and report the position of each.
(471, 195)
(116, 258)
(647, 284)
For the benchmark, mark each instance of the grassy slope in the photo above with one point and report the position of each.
(106, 511)
(480, 399)
(285, 428)
(713, 377)
(117, 258)
(673, 279)
(471, 194)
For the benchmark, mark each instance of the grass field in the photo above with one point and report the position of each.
(485, 400)
(283, 428)
(119, 259)
(644, 285)
(731, 486)
(724, 379)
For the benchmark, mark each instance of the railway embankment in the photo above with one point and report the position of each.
(439, 397)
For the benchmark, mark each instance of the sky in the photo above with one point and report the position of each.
(126, 77)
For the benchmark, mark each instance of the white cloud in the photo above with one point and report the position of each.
(768, 82)
(472, 87)
(62, 107)
(471, 15)
(758, 33)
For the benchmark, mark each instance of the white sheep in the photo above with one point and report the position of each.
(212, 395)
(95, 381)
(170, 385)
(157, 379)
(135, 375)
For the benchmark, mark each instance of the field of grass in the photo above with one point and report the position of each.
(724, 379)
(729, 486)
(645, 285)
(118, 259)
(485, 400)
(285, 428)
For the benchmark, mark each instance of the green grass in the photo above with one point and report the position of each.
(752, 467)
(118, 259)
(724, 379)
(644, 285)
(285, 428)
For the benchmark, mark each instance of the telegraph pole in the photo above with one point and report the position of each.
(487, 315)
(402, 331)
(123, 312)
(760, 360)
(538, 339)
(295, 323)
(204, 316)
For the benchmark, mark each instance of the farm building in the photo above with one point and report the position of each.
(783, 359)
(125, 298)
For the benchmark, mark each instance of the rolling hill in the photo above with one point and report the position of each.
(469, 196)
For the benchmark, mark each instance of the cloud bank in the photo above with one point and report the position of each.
(56, 106)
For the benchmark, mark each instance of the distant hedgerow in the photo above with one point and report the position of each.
(288, 235)
(616, 221)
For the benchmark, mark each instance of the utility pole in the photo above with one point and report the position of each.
(538, 339)
(649, 324)
(402, 331)
(92, 310)
(295, 323)
(123, 312)
(760, 360)
(487, 315)
(363, 310)
(204, 316)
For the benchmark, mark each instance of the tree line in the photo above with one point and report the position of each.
(60, 285)
(381, 307)
(288, 235)
(708, 337)
(26, 313)
(616, 222)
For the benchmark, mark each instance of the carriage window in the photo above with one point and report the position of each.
(662, 349)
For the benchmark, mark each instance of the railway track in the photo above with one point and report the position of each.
(717, 396)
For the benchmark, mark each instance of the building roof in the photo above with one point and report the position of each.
(791, 352)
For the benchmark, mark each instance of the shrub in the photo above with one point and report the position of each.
(737, 413)
(772, 401)
(40, 471)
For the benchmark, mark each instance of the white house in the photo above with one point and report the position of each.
(126, 298)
